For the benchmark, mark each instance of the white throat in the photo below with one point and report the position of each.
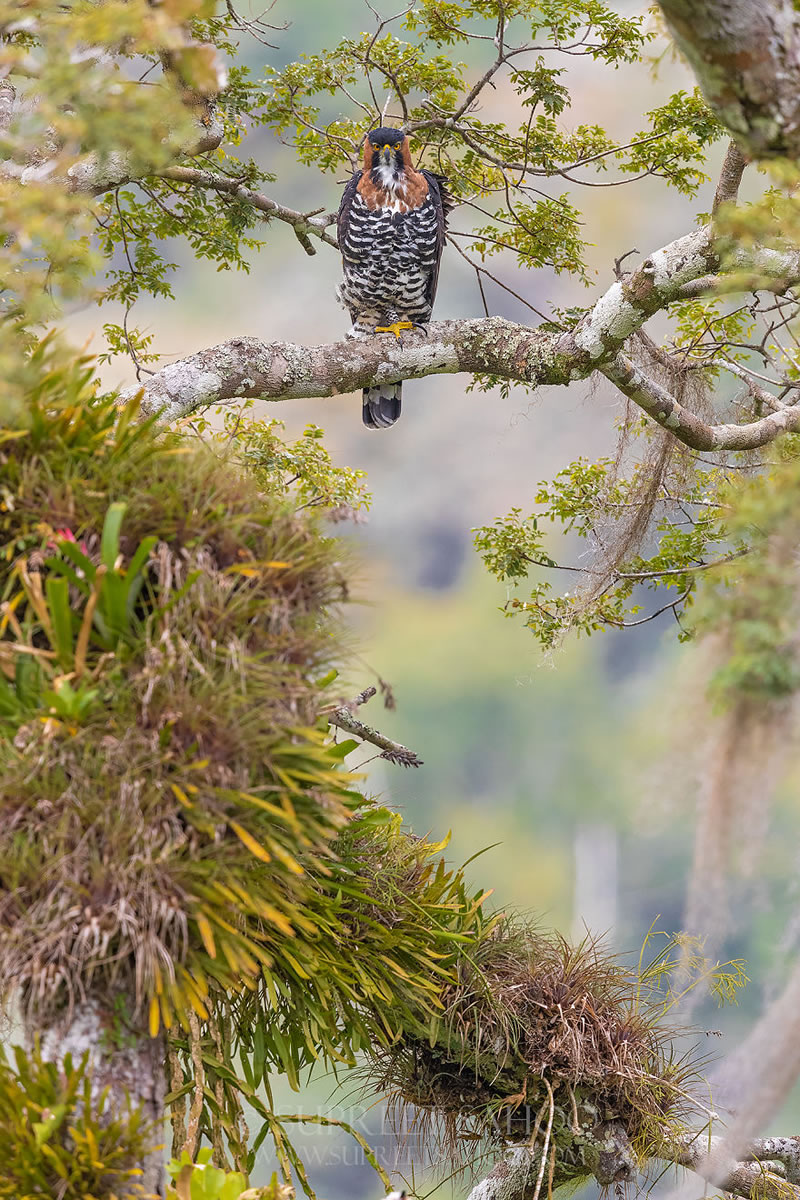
(388, 181)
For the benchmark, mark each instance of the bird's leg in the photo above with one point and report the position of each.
(395, 328)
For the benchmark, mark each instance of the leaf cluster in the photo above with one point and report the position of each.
(58, 1139)
(303, 469)
(75, 97)
(687, 533)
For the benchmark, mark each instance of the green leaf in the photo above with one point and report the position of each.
(57, 592)
(109, 544)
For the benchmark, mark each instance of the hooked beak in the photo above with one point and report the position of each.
(386, 153)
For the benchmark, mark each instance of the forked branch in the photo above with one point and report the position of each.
(495, 347)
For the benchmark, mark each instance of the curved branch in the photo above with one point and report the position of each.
(247, 367)
(493, 346)
(685, 425)
(302, 223)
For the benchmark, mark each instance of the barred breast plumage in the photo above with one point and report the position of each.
(391, 233)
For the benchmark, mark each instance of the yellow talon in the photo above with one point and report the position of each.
(395, 329)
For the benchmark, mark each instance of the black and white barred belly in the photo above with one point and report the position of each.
(389, 259)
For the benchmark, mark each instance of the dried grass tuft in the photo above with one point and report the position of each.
(539, 1032)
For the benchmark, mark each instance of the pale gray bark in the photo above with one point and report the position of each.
(126, 1061)
(247, 367)
(767, 1169)
(604, 1153)
(762, 1169)
(746, 56)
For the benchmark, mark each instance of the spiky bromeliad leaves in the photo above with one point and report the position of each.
(192, 622)
(172, 806)
(50, 1106)
(178, 835)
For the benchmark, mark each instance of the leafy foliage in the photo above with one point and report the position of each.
(57, 1138)
(303, 469)
(753, 602)
(682, 518)
(203, 1181)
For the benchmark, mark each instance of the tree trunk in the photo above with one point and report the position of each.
(746, 56)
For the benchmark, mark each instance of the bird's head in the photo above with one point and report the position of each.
(386, 148)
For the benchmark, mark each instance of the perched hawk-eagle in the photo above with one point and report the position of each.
(391, 232)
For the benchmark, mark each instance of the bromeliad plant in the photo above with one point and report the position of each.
(178, 829)
(57, 1139)
(182, 848)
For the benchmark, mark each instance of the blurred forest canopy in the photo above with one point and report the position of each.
(195, 896)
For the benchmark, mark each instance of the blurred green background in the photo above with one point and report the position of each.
(580, 771)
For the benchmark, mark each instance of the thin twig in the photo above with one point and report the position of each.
(392, 751)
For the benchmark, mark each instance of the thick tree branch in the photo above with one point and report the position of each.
(247, 367)
(746, 56)
(8, 96)
(604, 1152)
(769, 1170)
(730, 177)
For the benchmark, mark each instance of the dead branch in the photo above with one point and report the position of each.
(392, 751)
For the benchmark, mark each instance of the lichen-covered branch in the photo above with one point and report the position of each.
(393, 751)
(8, 97)
(494, 346)
(604, 1152)
(730, 177)
(746, 56)
(768, 1169)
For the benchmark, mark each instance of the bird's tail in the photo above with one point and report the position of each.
(382, 405)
